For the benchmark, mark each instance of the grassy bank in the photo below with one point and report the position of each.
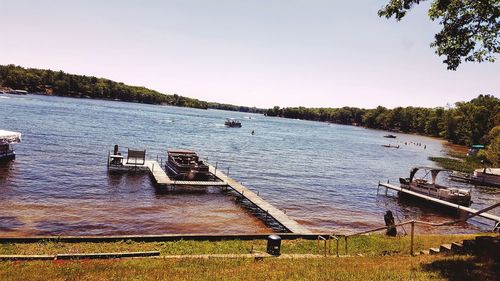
(364, 268)
(367, 245)
(372, 257)
(458, 161)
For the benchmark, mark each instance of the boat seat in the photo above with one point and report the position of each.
(136, 157)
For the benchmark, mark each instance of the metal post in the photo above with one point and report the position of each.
(317, 245)
(411, 240)
(228, 171)
(108, 158)
(345, 239)
(153, 168)
(215, 168)
(337, 247)
(325, 247)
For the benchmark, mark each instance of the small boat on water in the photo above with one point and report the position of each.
(486, 176)
(7, 138)
(185, 165)
(390, 146)
(390, 136)
(427, 184)
(232, 123)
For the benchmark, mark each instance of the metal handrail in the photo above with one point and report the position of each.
(413, 222)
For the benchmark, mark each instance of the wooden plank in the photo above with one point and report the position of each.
(163, 179)
(272, 211)
(442, 202)
(106, 255)
(26, 257)
(158, 238)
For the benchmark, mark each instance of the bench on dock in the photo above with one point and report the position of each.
(136, 157)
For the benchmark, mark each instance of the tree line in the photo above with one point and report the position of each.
(465, 123)
(63, 84)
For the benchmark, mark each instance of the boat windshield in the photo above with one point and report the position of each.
(8, 137)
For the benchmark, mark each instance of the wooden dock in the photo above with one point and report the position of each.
(441, 202)
(269, 209)
(161, 178)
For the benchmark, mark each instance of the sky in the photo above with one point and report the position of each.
(310, 53)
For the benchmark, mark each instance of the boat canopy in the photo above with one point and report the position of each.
(8, 137)
(478, 146)
(434, 172)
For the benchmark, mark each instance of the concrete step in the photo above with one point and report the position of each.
(457, 247)
(445, 248)
(434, 251)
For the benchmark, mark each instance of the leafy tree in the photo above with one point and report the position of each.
(493, 151)
(470, 28)
(64, 84)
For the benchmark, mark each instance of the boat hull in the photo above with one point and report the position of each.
(5, 157)
(451, 195)
(486, 178)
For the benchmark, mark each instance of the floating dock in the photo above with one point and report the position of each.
(468, 210)
(161, 178)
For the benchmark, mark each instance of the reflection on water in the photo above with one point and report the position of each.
(324, 176)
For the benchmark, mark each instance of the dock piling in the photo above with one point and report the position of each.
(411, 238)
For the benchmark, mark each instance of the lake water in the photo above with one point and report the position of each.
(324, 176)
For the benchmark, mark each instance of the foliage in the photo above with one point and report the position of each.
(80, 86)
(467, 123)
(493, 151)
(465, 165)
(470, 28)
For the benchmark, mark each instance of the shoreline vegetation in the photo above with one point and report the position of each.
(59, 83)
(466, 123)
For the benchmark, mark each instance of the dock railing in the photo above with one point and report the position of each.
(413, 223)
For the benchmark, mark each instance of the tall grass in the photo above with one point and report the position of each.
(360, 268)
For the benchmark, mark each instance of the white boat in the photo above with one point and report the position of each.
(486, 176)
(426, 183)
(7, 138)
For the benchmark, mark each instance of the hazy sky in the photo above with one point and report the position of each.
(254, 53)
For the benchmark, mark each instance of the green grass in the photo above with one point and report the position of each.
(372, 257)
(458, 162)
(354, 268)
(367, 245)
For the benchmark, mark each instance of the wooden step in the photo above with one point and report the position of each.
(434, 251)
(457, 247)
(445, 248)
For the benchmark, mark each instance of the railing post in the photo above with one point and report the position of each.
(228, 171)
(215, 168)
(337, 247)
(317, 245)
(345, 239)
(411, 239)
